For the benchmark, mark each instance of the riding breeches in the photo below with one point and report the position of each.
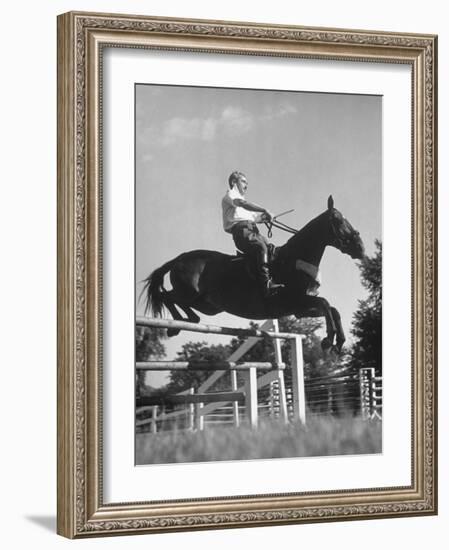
(248, 239)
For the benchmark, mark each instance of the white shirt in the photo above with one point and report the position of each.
(233, 214)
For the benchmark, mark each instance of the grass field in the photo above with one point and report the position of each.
(322, 436)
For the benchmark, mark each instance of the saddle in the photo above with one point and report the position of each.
(311, 276)
(249, 263)
(272, 254)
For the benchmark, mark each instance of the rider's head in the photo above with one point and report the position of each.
(238, 179)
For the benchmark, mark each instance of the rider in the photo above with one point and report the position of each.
(240, 218)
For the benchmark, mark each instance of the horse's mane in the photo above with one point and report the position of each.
(304, 232)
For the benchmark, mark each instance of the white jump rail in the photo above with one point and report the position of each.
(213, 329)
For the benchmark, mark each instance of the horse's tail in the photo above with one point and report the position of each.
(154, 289)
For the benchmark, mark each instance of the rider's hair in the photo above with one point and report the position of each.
(233, 178)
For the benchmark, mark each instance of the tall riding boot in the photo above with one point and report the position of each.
(268, 287)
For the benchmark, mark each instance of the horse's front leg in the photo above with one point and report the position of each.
(339, 327)
(315, 306)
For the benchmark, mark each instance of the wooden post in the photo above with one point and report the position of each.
(365, 378)
(362, 394)
(299, 398)
(154, 419)
(199, 416)
(376, 397)
(272, 399)
(235, 405)
(191, 411)
(330, 400)
(251, 397)
(282, 397)
(288, 394)
(278, 355)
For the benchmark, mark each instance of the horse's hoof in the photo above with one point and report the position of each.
(340, 343)
(334, 352)
(173, 332)
(325, 344)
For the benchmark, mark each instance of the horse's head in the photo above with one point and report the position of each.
(342, 235)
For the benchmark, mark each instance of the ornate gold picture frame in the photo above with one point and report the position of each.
(83, 39)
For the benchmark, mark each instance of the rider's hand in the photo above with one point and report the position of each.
(266, 216)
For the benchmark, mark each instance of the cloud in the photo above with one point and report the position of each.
(236, 121)
(282, 110)
(231, 121)
(179, 128)
(147, 158)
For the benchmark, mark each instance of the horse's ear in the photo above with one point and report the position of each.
(330, 203)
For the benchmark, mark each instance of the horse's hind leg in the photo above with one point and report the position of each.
(171, 306)
(191, 315)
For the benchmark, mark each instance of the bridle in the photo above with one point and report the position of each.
(337, 241)
(342, 242)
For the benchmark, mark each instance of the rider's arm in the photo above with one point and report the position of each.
(251, 207)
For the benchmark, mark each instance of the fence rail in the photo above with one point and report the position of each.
(218, 397)
(213, 329)
(206, 365)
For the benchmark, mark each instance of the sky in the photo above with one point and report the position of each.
(296, 148)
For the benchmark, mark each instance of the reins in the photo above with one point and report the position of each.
(279, 225)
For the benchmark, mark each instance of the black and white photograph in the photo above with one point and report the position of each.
(223, 236)
(258, 274)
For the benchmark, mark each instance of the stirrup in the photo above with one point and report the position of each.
(271, 289)
(275, 285)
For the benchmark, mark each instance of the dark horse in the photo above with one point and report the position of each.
(211, 282)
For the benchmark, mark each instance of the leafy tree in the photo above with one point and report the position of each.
(149, 344)
(149, 347)
(197, 351)
(367, 321)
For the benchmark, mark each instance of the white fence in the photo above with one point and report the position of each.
(241, 399)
